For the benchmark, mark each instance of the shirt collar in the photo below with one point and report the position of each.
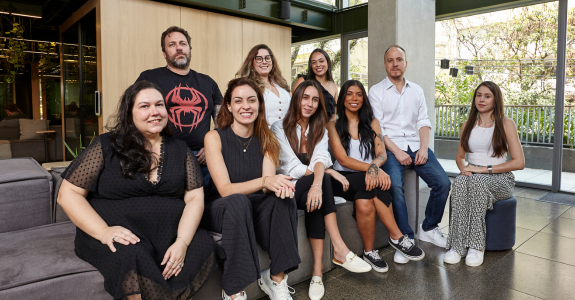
(298, 127)
(387, 84)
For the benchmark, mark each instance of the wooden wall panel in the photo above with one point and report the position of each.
(130, 34)
(277, 37)
(216, 44)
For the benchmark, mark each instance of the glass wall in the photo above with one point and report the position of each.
(517, 49)
(568, 164)
(357, 62)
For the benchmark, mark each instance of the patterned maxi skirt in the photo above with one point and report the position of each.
(471, 197)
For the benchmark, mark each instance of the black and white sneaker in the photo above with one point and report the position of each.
(375, 261)
(407, 248)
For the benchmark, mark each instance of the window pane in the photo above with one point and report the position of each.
(516, 49)
(568, 170)
(301, 53)
(358, 60)
(356, 2)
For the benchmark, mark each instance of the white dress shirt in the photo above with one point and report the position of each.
(290, 164)
(276, 107)
(400, 115)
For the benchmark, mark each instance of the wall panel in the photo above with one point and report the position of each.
(216, 44)
(278, 38)
(131, 31)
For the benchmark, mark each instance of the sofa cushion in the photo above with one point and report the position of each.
(10, 123)
(37, 254)
(29, 127)
(5, 151)
(10, 133)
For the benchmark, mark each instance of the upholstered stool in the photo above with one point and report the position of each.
(500, 224)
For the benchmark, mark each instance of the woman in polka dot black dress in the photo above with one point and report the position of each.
(136, 196)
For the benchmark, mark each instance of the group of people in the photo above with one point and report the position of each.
(148, 196)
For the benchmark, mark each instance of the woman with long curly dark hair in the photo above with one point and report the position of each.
(136, 196)
(486, 138)
(356, 141)
(305, 157)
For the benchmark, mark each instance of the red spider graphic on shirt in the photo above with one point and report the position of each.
(196, 105)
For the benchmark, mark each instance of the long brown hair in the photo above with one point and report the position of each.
(247, 69)
(269, 144)
(316, 123)
(499, 140)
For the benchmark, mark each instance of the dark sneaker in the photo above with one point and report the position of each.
(375, 261)
(407, 248)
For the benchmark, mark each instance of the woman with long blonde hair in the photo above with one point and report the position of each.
(262, 67)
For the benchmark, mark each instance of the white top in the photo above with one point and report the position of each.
(355, 154)
(481, 149)
(276, 107)
(289, 162)
(400, 115)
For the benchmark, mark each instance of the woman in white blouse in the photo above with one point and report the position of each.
(261, 66)
(304, 157)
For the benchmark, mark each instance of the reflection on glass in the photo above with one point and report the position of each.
(300, 57)
(522, 62)
(354, 2)
(358, 60)
(330, 2)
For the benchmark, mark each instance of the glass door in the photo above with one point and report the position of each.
(80, 106)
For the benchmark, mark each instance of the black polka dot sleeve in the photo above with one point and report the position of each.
(194, 178)
(85, 169)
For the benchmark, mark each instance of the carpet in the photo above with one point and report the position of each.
(558, 198)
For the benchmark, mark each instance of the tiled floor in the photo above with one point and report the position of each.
(536, 176)
(540, 266)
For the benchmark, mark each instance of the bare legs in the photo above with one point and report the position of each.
(340, 250)
(278, 277)
(366, 210)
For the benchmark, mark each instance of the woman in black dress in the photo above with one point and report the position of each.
(357, 143)
(248, 202)
(136, 196)
(319, 69)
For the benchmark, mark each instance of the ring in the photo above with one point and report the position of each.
(171, 261)
(180, 265)
(114, 239)
(316, 202)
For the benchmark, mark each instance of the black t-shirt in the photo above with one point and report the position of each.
(190, 100)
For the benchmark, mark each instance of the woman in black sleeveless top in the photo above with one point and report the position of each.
(249, 202)
(319, 70)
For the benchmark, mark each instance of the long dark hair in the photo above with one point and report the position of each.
(269, 143)
(128, 143)
(310, 74)
(247, 69)
(499, 140)
(365, 114)
(316, 123)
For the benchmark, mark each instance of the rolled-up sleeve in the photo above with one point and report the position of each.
(290, 164)
(321, 153)
(375, 99)
(422, 117)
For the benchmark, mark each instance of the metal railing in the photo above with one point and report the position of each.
(535, 123)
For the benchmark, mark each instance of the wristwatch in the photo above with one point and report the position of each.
(490, 169)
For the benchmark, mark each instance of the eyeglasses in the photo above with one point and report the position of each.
(260, 59)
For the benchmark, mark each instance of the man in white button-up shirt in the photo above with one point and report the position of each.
(399, 106)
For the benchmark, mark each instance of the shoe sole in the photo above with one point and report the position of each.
(452, 262)
(376, 268)
(428, 241)
(414, 258)
(474, 265)
(341, 265)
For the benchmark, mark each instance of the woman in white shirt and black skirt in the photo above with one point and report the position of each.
(304, 156)
(262, 67)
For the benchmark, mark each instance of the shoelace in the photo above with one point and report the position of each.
(406, 243)
(285, 293)
(374, 255)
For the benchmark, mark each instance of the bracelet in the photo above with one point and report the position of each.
(316, 186)
(182, 240)
(264, 182)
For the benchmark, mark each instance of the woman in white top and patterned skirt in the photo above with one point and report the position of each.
(261, 67)
(487, 137)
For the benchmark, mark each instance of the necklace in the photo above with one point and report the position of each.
(245, 148)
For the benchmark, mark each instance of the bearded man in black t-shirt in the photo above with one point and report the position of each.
(193, 99)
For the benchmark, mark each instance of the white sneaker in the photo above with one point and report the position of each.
(434, 236)
(316, 288)
(353, 263)
(474, 257)
(452, 257)
(239, 296)
(399, 258)
(276, 291)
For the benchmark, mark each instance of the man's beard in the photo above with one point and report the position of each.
(184, 63)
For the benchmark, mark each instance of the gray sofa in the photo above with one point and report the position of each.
(38, 260)
(33, 148)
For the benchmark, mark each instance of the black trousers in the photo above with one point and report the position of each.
(358, 190)
(245, 221)
(314, 221)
